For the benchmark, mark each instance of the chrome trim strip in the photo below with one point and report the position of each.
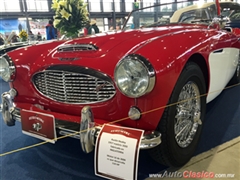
(67, 132)
(148, 141)
(76, 47)
(68, 59)
(12, 68)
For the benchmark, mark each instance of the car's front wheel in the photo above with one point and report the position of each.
(181, 123)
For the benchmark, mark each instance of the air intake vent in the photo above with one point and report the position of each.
(77, 47)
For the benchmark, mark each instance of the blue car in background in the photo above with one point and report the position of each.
(234, 19)
(232, 13)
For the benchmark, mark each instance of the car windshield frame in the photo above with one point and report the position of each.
(158, 22)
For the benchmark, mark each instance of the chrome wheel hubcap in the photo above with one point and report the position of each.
(188, 112)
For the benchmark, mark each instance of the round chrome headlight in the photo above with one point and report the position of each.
(134, 76)
(7, 69)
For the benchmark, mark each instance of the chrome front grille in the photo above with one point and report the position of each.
(73, 87)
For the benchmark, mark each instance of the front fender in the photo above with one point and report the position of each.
(168, 60)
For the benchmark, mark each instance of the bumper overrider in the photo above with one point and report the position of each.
(87, 133)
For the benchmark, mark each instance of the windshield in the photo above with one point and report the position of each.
(175, 12)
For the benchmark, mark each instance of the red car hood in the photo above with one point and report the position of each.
(94, 51)
(106, 42)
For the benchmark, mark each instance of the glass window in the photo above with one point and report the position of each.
(117, 5)
(235, 15)
(182, 5)
(9, 6)
(94, 5)
(167, 8)
(108, 5)
(146, 3)
(2, 6)
(105, 20)
(212, 11)
(129, 5)
(192, 15)
(37, 5)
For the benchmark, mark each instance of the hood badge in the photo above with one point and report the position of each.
(99, 87)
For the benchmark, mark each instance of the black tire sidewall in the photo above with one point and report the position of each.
(178, 156)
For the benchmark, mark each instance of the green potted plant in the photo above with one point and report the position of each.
(23, 35)
(71, 16)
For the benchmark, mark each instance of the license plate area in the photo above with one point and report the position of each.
(38, 125)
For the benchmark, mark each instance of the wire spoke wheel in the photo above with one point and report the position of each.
(188, 113)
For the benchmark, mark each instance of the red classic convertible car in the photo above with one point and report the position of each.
(153, 75)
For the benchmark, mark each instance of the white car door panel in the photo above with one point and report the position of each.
(222, 66)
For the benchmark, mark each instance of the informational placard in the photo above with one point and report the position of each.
(116, 152)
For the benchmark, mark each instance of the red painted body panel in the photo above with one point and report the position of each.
(167, 48)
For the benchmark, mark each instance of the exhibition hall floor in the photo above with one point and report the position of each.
(65, 160)
(221, 162)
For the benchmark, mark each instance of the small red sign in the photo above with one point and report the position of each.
(38, 125)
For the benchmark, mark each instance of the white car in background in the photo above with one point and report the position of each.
(7, 44)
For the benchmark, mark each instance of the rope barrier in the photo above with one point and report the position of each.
(112, 122)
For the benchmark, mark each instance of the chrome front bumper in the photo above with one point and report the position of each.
(9, 113)
(88, 131)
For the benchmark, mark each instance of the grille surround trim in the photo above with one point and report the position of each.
(101, 92)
